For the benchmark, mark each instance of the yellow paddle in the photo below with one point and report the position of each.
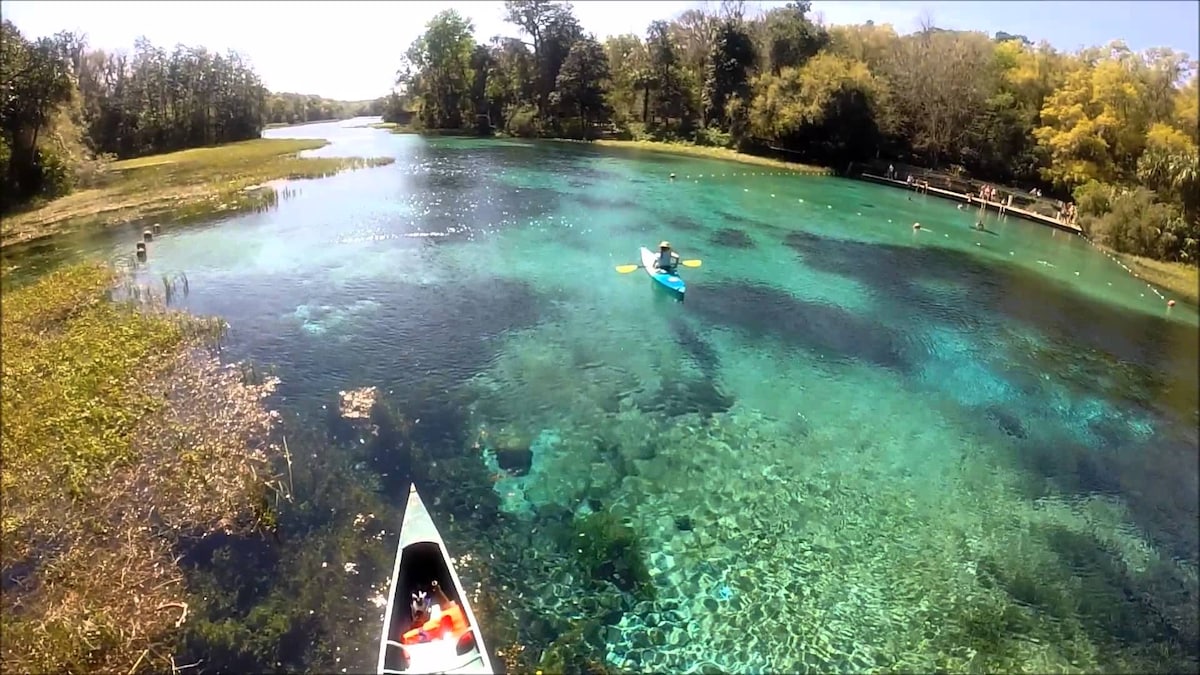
(626, 269)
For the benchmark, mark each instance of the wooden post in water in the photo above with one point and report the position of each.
(140, 250)
(147, 235)
(157, 228)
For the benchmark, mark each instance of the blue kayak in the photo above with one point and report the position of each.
(669, 281)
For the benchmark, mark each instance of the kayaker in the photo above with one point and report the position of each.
(421, 605)
(667, 259)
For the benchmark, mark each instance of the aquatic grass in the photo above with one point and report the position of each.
(708, 152)
(183, 185)
(122, 435)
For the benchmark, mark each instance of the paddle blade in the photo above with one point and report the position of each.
(626, 269)
(691, 263)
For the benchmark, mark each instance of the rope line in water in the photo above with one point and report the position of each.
(746, 174)
(1126, 268)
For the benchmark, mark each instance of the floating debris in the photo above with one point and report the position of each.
(357, 403)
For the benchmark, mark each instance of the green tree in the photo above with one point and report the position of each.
(728, 72)
(790, 38)
(626, 55)
(35, 82)
(582, 81)
(438, 69)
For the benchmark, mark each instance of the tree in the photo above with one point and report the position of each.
(790, 38)
(728, 72)
(439, 63)
(582, 81)
(554, 29)
(938, 82)
(35, 82)
(626, 56)
(827, 106)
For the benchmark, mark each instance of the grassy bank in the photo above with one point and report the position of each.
(185, 184)
(285, 125)
(1178, 278)
(709, 152)
(122, 435)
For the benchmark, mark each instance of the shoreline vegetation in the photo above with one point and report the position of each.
(687, 149)
(182, 185)
(124, 439)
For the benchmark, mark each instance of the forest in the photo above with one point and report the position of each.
(66, 109)
(1110, 129)
(289, 108)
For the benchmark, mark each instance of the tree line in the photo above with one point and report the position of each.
(1113, 130)
(65, 107)
(289, 108)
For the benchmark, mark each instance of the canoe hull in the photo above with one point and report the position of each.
(670, 282)
(421, 558)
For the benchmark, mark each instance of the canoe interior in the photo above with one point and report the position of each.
(421, 563)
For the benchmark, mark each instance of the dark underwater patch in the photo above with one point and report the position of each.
(701, 353)
(690, 395)
(422, 340)
(1007, 422)
(767, 312)
(1066, 316)
(731, 238)
(684, 224)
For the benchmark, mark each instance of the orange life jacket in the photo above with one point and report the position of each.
(451, 623)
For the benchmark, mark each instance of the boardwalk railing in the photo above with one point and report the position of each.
(954, 186)
(955, 182)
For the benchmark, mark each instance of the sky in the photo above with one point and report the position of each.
(350, 50)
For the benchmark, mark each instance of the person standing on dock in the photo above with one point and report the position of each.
(891, 174)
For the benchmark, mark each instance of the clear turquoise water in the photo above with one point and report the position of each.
(854, 446)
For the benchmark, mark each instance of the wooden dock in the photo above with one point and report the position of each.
(999, 207)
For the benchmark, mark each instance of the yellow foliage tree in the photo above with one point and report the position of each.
(1187, 110)
(799, 97)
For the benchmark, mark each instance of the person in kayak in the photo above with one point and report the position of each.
(667, 259)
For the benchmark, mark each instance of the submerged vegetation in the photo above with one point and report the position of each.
(1108, 128)
(123, 436)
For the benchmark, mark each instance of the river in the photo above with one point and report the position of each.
(855, 445)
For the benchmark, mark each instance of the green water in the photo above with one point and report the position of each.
(853, 446)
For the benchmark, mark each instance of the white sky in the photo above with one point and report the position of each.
(351, 50)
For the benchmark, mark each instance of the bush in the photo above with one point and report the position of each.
(1093, 201)
(523, 122)
(713, 137)
(1137, 223)
(58, 176)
